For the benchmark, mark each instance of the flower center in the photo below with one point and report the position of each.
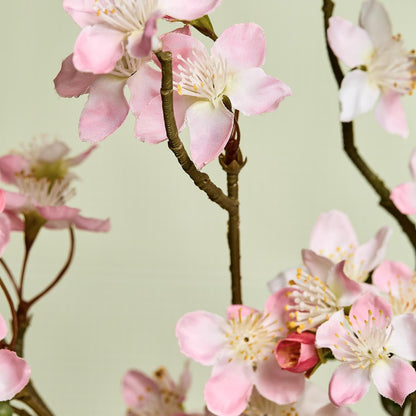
(363, 343)
(252, 337)
(126, 66)
(393, 68)
(125, 15)
(201, 76)
(405, 301)
(340, 253)
(311, 302)
(260, 406)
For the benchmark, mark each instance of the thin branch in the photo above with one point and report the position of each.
(201, 180)
(23, 272)
(20, 412)
(12, 311)
(60, 274)
(372, 178)
(9, 274)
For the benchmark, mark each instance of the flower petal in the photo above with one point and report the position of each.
(91, 224)
(14, 374)
(135, 384)
(82, 11)
(209, 129)
(390, 114)
(277, 385)
(229, 388)
(98, 49)
(394, 379)
(242, 46)
(380, 310)
(331, 410)
(253, 92)
(375, 20)
(282, 279)
(345, 289)
(76, 160)
(402, 341)
(349, 43)
(10, 165)
(391, 275)
(105, 110)
(412, 164)
(5, 228)
(70, 82)
(236, 311)
(201, 336)
(58, 213)
(348, 385)
(275, 307)
(318, 266)
(404, 197)
(188, 10)
(357, 95)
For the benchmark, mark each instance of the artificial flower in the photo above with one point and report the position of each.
(382, 67)
(373, 345)
(110, 28)
(204, 81)
(240, 349)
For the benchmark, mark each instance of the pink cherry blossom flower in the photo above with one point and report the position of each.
(404, 195)
(297, 352)
(312, 402)
(399, 282)
(112, 27)
(202, 80)
(15, 372)
(373, 345)
(382, 67)
(240, 349)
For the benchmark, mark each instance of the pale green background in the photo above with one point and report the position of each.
(166, 253)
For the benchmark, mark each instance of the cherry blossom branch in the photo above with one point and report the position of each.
(351, 150)
(13, 313)
(20, 412)
(31, 398)
(9, 274)
(60, 274)
(23, 272)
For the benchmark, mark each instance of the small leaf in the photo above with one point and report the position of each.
(391, 407)
(204, 25)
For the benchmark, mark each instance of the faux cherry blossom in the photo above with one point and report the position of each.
(203, 79)
(404, 195)
(373, 345)
(110, 28)
(382, 68)
(312, 402)
(240, 349)
(15, 372)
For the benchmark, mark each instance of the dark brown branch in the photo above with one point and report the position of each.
(31, 398)
(20, 412)
(13, 313)
(372, 178)
(9, 274)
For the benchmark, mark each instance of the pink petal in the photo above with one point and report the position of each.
(331, 410)
(70, 82)
(201, 336)
(236, 311)
(349, 43)
(91, 224)
(331, 231)
(209, 129)
(229, 388)
(412, 164)
(185, 379)
(58, 213)
(16, 223)
(14, 374)
(186, 10)
(390, 275)
(402, 341)
(375, 20)
(390, 114)
(137, 388)
(282, 280)
(345, 289)
(3, 328)
(105, 110)
(10, 165)
(15, 201)
(2, 200)
(275, 307)
(242, 46)
(253, 92)
(394, 379)
(380, 310)
(358, 94)
(277, 385)
(98, 49)
(81, 11)
(5, 228)
(318, 266)
(404, 197)
(348, 385)
(76, 160)
(311, 400)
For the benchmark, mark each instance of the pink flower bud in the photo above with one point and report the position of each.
(297, 352)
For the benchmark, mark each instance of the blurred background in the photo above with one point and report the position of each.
(167, 253)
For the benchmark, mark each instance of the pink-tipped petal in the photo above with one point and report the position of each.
(209, 129)
(76, 160)
(185, 379)
(402, 341)
(229, 388)
(105, 110)
(58, 213)
(242, 46)
(5, 228)
(390, 276)
(70, 82)
(10, 165)
(186, 10)
(390, 114)
(394, 379)
(380, 310)
(236, 311)
(348, 385)
(404, 197)
(14, 374)
(82, 11)
(349, 43)
(135, 385)
(253, 92)
(98, 49)
(318, 266)
(332, 231)
(375, 20)
(345, 289)
(15, 202)
(91, 224)
(275, 308)
(358, 94)
(201, 336)
(277, 385)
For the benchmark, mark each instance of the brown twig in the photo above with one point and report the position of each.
(20, 412)
(12, 311)
(9, 274)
